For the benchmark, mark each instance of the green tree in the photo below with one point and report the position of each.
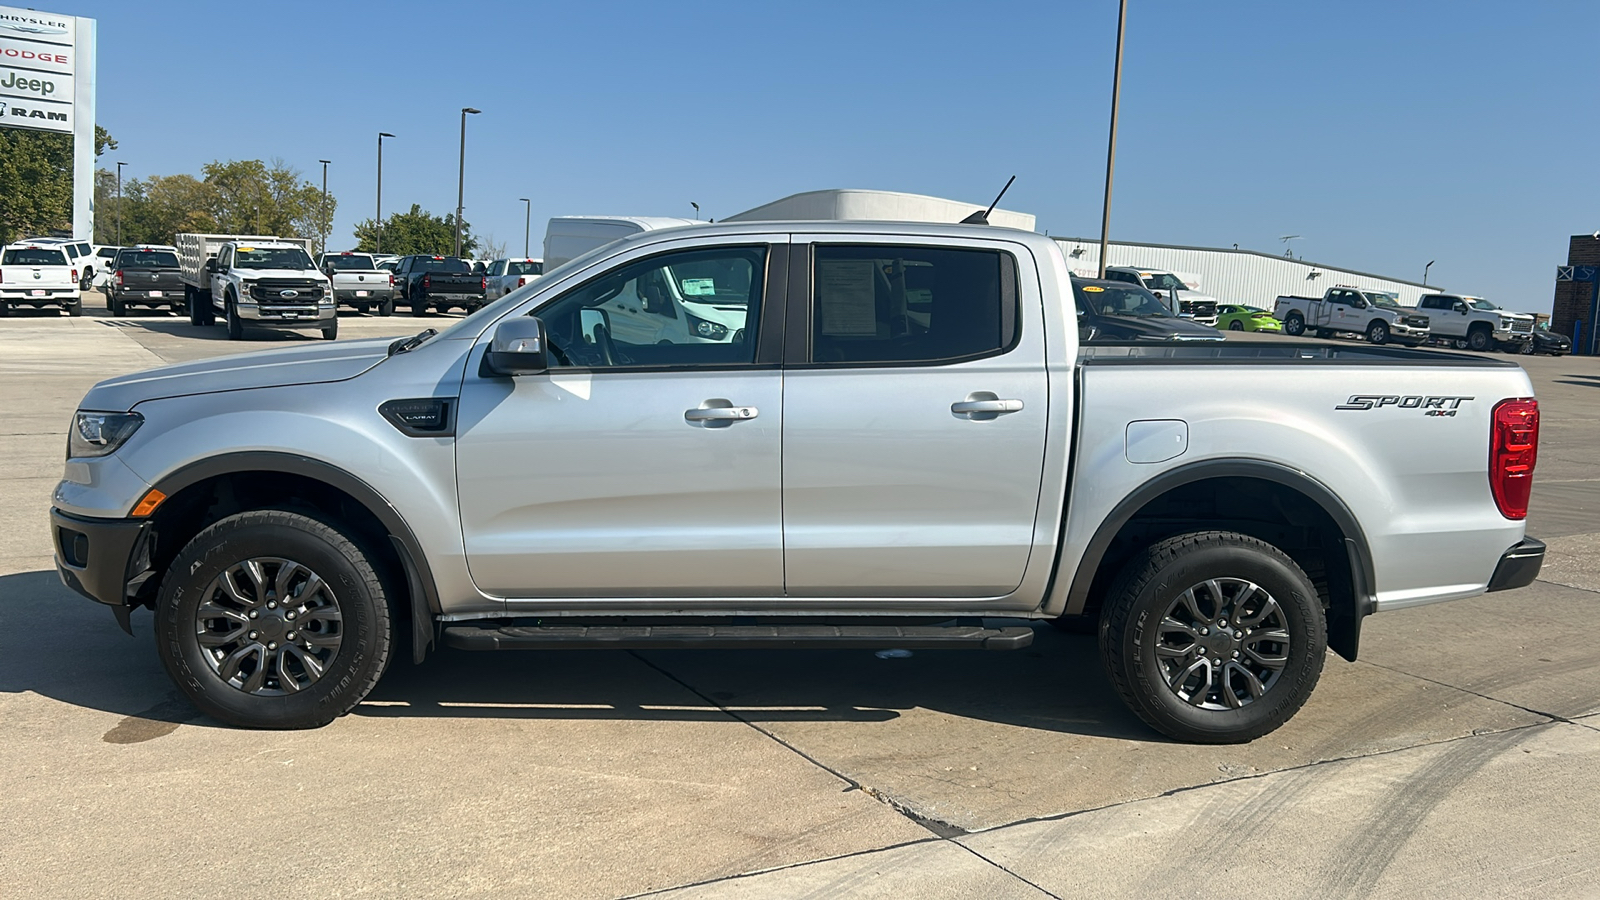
(416, 231)
(35, 183)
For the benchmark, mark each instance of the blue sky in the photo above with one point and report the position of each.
(1386, 133)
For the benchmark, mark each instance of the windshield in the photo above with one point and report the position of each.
(271, 258)
(1163, 281)
(447, 264)
(1480, 303)
(1120, 300)
(33, 256)
(345, 261)
(147, 259)
(524, 267)
(1383, 299)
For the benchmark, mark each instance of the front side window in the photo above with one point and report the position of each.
(688, 308)
(905, 304)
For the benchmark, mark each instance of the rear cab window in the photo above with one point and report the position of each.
(33, 256)
(911, 305)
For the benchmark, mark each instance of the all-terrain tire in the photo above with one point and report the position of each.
(189, 602)
(1139, 653)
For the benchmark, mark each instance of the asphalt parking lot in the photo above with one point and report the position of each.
(1459, 757)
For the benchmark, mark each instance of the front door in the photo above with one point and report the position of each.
(914, 423)
(635, 468)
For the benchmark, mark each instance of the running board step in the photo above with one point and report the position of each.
(729, 637)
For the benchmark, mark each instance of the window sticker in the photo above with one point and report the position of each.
(1092, 289)
(846, 297)
(699, 287)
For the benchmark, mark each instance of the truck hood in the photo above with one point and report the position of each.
(312, 364)
(258, 274)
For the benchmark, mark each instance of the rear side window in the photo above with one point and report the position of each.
(905, 304)
(33, 256)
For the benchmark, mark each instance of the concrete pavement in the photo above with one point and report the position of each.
(1460, 756)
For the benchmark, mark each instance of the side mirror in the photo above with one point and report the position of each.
(211, 266)
(517, 348)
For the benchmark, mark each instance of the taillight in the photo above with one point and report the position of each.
(483, 283)
(391, 279)
(74, 274)
(1513, 451)
(119, 278)
(521, 282)
(427, 282)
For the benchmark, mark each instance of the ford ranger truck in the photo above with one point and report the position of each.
(903, 445)
(37, 276)
(1473, 323)
(1375, 315)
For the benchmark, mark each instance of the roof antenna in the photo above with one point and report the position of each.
(981, 217)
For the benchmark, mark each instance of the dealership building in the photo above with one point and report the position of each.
(1230, 275)
(1577, 302)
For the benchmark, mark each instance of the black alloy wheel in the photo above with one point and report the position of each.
(1213, 637)
(273, 619)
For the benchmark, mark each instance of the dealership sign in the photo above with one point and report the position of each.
(47, 84)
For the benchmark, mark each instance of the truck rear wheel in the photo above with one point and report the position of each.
(75, 308)
(272, 619)
(386, 308)
(1213, 637)
(1294, 325)
(200, 312)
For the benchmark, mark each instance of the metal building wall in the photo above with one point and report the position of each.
(1235, 276)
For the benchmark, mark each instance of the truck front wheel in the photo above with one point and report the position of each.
(1213, 637)
(1294, 325)
(1479, 339)
(235, 325)
(272, 619)
(1378, 332)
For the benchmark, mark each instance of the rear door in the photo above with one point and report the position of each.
(915, 402)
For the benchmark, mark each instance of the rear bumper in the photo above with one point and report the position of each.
(1518, 566)
(373, 295)
(98, 557)
(50, 295)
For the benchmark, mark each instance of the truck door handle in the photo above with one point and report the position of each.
(978, 407)
(719, 414)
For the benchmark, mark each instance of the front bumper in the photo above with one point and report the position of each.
(105, 560)
(1518, 566)
(287, 316)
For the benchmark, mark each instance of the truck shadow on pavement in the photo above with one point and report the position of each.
(72, 651)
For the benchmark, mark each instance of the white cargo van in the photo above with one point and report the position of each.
(568, 237)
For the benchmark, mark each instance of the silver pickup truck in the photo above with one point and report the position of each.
(903, 445)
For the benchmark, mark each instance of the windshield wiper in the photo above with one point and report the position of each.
(411, 343)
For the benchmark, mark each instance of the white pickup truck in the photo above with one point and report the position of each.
(1377, 315)
(902, 444)
(38, 275)
(506, 275)
(1473, 323)
(358, 282)
(1169, 288)
(264, 282)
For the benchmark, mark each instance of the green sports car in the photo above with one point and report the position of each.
(1246, 318)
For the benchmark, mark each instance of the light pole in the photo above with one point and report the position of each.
(258, 220)
(119, 202)
(1425, 272)
(1111, 144)
(323, 219)
(461, 173)
(377, 242)
(527, 224)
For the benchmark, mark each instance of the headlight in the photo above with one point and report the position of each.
(711, 331)
(100, 433)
